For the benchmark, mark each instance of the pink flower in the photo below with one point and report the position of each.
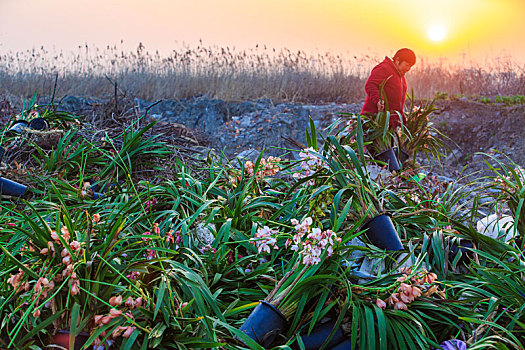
(65, 233)
(146, 236)
(133, 275)
(156, 228)
(128, 332)
(75, 245)
(380, 304)
(150, 254)
(96, 218)
(75, 289)
(150, 204)
(130, 303)
(400, 306)
(416, 292)
(115, 313)
(138, 302)
(115, 301)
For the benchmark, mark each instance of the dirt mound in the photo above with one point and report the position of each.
(479, 127)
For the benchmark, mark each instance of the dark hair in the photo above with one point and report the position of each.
(406, 55)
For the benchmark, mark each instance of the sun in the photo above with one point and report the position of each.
(436, 33)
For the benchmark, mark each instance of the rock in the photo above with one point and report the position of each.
(375, 172)
(408, 263)
(73, 104)
(248, 155)
(204, 233)
(497, 227)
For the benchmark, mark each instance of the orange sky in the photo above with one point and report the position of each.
(476, 28)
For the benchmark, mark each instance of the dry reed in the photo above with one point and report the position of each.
(234, 75)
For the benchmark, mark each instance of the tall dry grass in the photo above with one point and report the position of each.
(234, 75)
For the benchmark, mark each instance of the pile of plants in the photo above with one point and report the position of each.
(116, 244)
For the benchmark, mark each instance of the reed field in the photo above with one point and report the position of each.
(236, 75)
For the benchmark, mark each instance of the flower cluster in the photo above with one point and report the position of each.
(309, 241)
(207, 248)
(148, 205)
(419, 284)
(310, 164)
(45, 284)
(133, 275)
(264, 239)
(148, 237)
(312, 242)
(267, 167)
(120, 331)
(510, 184)
(176, 240)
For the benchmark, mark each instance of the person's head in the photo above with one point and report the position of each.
(404, 59)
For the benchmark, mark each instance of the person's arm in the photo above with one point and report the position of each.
(377, 76)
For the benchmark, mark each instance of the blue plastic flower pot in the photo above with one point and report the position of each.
(382, 233)
(320, 334)
(264, 324)
(11, 188)
(389, 157)
(38, 124)
(97, 195)
(453, 344)
(17, 127)
(345, 345)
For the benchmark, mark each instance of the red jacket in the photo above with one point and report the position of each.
(395, 91)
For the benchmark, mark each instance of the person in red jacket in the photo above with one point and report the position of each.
(393, 72)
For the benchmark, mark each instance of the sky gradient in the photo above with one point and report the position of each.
(475, 29)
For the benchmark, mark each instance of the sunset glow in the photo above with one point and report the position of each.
(473, 27)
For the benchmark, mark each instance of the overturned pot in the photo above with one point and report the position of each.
(389, 157)
(18, 127)
(264, 324)
(11, 188)
(401, 155)
(38, 124)
(382, 233)
(320, 335)
(345, 345)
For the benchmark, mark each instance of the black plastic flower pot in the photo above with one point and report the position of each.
(401, 154)
(38, 124)
(18, 127)
(264, 324)
(320, 334)
(464, 246)
(389, 157)
(2, 151)
(345, 345)
(11, 188)
(62, 339)
(382, 233)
